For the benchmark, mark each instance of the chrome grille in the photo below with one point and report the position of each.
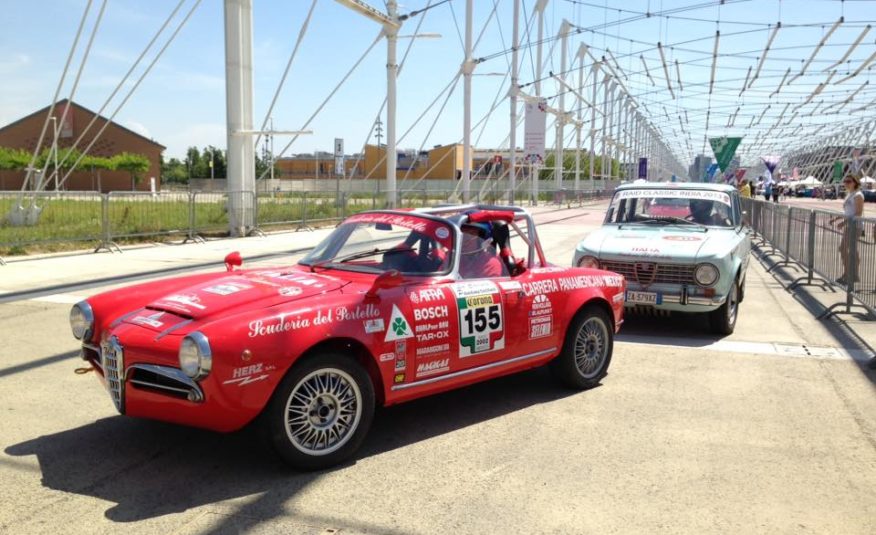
(112, 361)
(666, 273)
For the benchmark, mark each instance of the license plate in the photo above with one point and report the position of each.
(645, 298)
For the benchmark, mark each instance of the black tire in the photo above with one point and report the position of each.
(587, 350)
(332, 421)
(723, 320)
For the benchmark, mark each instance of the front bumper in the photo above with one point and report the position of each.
(677, 298)
(161, 392)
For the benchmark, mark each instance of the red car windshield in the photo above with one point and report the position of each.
(375, 242)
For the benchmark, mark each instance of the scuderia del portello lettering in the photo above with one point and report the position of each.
(284, 323)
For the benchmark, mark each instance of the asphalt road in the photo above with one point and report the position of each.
(772, 429)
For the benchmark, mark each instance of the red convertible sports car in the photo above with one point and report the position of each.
(391, 306)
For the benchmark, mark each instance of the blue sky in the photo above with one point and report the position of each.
(182, 101)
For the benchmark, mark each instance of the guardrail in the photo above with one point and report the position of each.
(829, 247)
(70, 217)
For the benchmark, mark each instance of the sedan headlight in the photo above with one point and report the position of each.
(706, 274)
(195, 357)
(588, 261)
(82, 320)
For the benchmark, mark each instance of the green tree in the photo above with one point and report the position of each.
(194, 164)
(135, 164)
(215, 156)
(13, 159)
(174, 171)
(96, 164)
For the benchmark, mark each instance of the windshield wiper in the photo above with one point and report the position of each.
(360, 254)
(672, 219)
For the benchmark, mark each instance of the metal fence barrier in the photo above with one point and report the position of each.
(828, 247)
(68, 217)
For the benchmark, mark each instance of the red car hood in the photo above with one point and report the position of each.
(238, 291)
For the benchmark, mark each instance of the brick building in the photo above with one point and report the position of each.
(25, 132)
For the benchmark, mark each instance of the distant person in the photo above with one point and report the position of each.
(701, 211)
(776, 191)
(478, 259)
(767, 191)
(745, 189)
(853, 206)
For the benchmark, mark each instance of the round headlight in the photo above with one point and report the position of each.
(588, 261)
(195, 357)
(82, 320)
(706, 274)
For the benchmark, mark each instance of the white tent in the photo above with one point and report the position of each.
(868, 180)
(809, 181)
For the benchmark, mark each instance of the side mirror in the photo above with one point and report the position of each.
(387, 279)
(232, 260)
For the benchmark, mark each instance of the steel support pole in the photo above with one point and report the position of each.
(467, 68)
(539, 7)
(391, 76)
(238, 107)
(592, 158)
(515, 44)
(561, 117)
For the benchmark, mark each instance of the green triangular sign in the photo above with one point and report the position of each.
(724, 149)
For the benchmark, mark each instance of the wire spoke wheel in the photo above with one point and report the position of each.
(591, 347)
(323, 411)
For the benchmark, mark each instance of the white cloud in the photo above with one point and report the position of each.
(137, 127)
(13, 63)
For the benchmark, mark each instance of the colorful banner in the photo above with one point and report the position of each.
(770, 162)
(724, 149)
(643, 167)
(837, 170)
(710, 173)
(533, 132)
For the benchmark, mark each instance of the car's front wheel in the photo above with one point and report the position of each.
(723, 320)
(321, 412)
(587, 350)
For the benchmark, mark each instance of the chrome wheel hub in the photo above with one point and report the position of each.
(591, 347)
(323, 411)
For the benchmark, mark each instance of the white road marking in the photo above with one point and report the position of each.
(62, 299)
(754, 348)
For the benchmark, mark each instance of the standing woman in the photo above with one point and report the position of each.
(853, 206)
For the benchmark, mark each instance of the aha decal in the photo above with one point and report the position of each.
(399, 328)
(426, 295)
(481, 328)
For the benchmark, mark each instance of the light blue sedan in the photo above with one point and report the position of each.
(681, 247)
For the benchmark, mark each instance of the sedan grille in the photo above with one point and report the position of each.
(112, 361)
(647, 273)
